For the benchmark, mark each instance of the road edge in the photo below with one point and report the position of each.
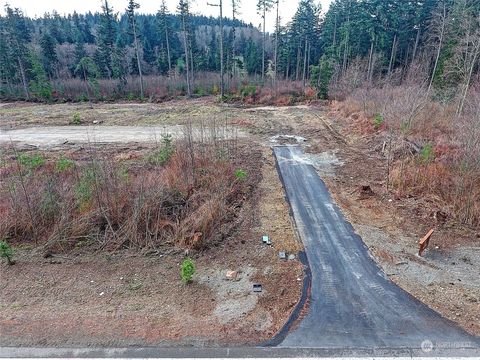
(307, 278)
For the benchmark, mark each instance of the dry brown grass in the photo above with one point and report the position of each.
(447, 174)
(190, 200)
(283, 93)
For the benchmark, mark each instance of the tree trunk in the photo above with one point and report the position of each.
(335, 32)
(345, 57)
(24, 79)
(442, 32)
(234, 32)
(276, 45)
(308, 60)
(392, 55)
(86, 83)
(287, 70)
(297, 72)
(466, 85)
(222, 86)
(415, 47)
(168, 51)
(263, 42)
(305, 55)
(370, 62)
(346, 48)
(137, 52)
(187, 57)
(192, 68)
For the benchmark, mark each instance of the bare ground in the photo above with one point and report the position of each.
(62, 294)
(131, 298)
(23, 115)
(446, 277)
(57, 136)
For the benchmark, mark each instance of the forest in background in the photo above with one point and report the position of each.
(436, 41)
(407, 71)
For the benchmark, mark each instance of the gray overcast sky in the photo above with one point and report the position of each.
(248, 8)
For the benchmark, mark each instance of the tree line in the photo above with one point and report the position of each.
(386, 39)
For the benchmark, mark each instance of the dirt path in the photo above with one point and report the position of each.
(45, 137)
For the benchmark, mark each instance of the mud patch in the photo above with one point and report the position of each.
(325, 162)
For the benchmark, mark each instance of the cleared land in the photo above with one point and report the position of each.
(44, 137)
(93, 299)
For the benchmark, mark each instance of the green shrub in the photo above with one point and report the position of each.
(163, 155)
(6, 252)
(50, 200)
(321, 76)
(200, 91)
(240, 174)
(81, 98)
(64, 164)
(123, 174)
(84, 188)
(131, 96)
(427, 154)
(76, 119)
(378, 121)
(31, 161)
(248, 90)
(187, 271)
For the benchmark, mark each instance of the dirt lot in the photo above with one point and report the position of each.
(126, 298)
(23, 115)
(132, 298)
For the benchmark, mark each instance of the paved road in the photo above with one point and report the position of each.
(224, 353)
(353, 304)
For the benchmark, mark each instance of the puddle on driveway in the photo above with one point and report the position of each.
(325, 162)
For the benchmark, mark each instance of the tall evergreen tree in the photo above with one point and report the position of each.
(49, 54)
(106, 34)
(222, 80)
(263, 7)
(164, 31)
(184, 12)
(132, 6)
(18, 36)
(235, 12)
(304, 30)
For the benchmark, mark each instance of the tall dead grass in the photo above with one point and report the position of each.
(189, 198)
(434, 153)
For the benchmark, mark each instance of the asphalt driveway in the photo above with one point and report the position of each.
(353, 304)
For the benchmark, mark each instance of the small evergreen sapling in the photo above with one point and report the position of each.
(6, 252)
(187, 271)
